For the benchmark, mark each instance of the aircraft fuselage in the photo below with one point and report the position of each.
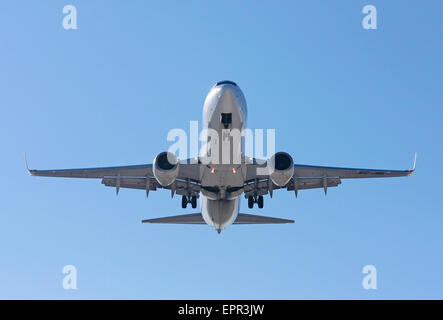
(224, 118)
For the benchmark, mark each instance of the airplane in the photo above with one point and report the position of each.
(221, 185)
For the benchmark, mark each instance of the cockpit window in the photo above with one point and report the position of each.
(226, 82)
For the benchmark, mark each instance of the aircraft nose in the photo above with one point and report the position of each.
(227, 89)
(220, 83)
(225, 97)
(227, 100)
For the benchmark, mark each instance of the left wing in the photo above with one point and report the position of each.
(143, 170)
(134, 177)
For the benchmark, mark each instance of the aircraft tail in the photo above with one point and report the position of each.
(196, 218)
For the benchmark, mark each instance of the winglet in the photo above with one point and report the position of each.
(413, 167)
(27, 167)
(415, 161)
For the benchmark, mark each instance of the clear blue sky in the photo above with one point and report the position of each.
(108, 93)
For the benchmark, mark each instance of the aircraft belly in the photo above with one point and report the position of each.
(219, 213)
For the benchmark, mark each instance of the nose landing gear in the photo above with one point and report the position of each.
(188, 199)
(259, 200)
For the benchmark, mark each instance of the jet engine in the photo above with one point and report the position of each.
(165, 168)
(281, 168)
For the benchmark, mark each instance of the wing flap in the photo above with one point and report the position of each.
(181, 187)
(132, 183)
(262, 186)
(313, 183)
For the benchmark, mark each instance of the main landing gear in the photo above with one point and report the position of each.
(258, 200)
(188, 199)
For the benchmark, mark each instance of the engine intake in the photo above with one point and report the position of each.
(281, 168)
(165, 168)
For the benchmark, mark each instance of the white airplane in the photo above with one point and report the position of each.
(220, 185)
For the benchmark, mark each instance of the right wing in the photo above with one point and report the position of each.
(310, 177)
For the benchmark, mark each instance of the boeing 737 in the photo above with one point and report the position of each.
(221, 185)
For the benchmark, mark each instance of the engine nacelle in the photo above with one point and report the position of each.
(281, 168)
(165, 168)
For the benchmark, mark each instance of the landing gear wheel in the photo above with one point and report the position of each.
(184, 202)
(260, 202)
(194, 202)
(250, 202)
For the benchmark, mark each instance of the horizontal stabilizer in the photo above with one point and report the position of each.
(193, 218)
(244, 218)
(196, 218)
